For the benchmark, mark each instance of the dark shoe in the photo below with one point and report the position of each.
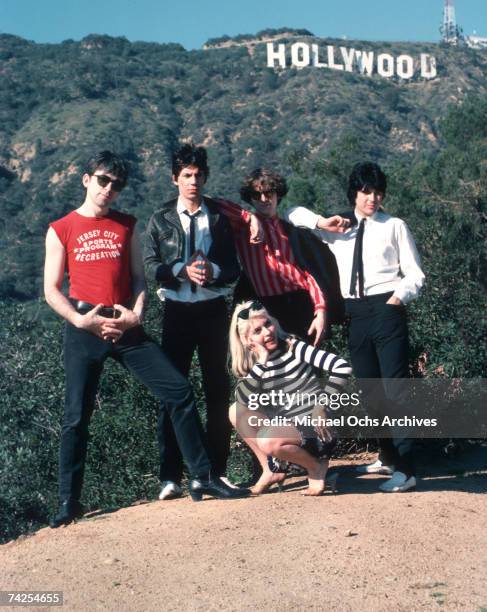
(68, 511)
(215, 487)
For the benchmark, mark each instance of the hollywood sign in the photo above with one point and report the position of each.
(367, 63)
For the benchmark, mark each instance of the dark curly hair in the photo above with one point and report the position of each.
(263, 180)
(110, 162)
(190, 155)
(365, 175)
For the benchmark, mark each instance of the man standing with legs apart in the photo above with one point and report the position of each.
(100, 249)
(379, 273)
(189, 251)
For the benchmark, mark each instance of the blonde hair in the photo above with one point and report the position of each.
(242, 357)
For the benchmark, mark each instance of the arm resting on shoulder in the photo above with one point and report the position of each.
(303, 217)
(240, 218)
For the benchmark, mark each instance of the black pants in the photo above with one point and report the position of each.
(378, 344)
(84, 355)
(293, 310)
(201, 326)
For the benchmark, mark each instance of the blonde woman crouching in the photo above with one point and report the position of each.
(276, 371)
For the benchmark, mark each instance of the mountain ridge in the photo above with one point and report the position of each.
(59, 102)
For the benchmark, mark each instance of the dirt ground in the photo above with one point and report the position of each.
(356, 550)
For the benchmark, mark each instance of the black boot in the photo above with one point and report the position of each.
(214, 486)
(69, 510)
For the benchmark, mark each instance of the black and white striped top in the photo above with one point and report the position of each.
(290, 373)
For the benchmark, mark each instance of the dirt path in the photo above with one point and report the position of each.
(357, 550)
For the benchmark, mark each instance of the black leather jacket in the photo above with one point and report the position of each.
(164, 246)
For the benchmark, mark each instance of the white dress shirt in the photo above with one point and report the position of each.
(390, 257)
(203, 243)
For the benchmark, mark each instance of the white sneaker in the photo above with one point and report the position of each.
(228, 483)
(398, 483)
(375, 468)
(170, 490)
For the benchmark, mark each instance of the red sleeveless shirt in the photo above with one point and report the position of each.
(97, 256)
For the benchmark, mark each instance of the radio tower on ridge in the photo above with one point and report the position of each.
(450, 32)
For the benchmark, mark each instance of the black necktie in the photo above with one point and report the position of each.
(192, 237)
(358, 264)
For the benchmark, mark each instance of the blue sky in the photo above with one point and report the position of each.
(192, 22)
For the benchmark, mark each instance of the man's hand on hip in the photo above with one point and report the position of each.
(394, 301)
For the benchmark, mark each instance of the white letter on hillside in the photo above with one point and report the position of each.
(297, 50)
(428, 66)
(405, 66)
(331, 59)
(316, 57)
(348, 57)
(365, 61)
(279, 55)
(385, 65)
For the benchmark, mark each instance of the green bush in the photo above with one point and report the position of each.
(123, 460)
(134, 97)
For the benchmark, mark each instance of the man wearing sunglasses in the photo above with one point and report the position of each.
(287, 269)
(100, 248)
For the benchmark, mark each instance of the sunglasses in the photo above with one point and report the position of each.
(103, 181)
(245, 313)
(256, 195)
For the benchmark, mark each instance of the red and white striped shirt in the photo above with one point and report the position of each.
(270, 265)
